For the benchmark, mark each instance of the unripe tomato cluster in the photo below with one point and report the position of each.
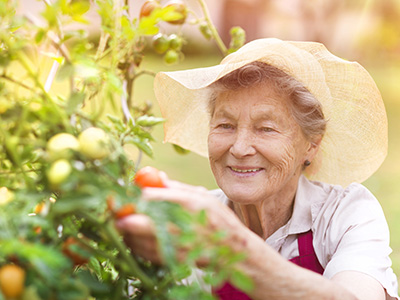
(93, 143)
(169, 45)
(176, 6)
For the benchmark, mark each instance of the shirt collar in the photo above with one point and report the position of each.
(308, 200)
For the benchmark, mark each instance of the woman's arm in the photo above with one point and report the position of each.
(274, 277)
(277, 278)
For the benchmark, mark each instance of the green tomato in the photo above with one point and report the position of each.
(175, 42)
(59, 145)
(5, 195)
(171, 57)
(59, 172)
(205, 31)
(160, 43)
(94, 143)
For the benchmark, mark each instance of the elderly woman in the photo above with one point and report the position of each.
(289, 129)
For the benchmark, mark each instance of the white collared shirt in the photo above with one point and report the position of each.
(349, 228)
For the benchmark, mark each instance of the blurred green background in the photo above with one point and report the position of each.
(367, 31)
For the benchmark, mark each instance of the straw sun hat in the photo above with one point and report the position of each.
(355, 142)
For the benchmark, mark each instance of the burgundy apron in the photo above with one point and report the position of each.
(306, 259)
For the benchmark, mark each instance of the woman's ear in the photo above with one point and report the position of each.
(313, 148)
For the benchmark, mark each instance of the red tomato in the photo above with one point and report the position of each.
(148, 177)
(12, 280)
(125, 210)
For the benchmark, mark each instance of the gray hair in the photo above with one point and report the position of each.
(306, 109)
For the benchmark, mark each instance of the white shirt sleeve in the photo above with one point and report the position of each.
(355, 236)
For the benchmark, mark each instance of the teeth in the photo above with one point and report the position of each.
(245, 171)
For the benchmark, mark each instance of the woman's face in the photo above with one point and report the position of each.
(256, 148)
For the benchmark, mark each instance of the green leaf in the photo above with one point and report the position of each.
(114, 83)
(41, 33)
(79, 7)
(72, 289)
(74, 102)
(149, 121)
(30, 293)
(66, 71)
(127, 29)
(180, 150)
(87, 69)
(97, 287)
(242, 281)
(142, 144)
(50, 14)
(118, 124)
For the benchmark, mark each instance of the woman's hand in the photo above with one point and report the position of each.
(139, 231)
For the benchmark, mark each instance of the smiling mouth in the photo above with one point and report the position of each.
(245, 170)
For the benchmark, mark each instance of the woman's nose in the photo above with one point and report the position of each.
(243, 144)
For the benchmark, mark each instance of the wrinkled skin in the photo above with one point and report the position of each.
(253, 131)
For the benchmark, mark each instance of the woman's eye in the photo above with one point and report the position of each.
(225, 126)
(267, 129)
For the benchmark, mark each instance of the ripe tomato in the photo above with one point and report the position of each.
(148, 177)
(76, 258)
(39, 207)
(180, 8)
(12, 280)
(147, 8)
(125, 210)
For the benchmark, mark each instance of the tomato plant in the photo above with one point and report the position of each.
(72, 248)
(65, 175)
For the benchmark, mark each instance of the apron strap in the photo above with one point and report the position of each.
(306, 259)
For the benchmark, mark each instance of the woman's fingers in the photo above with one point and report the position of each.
(136, 224)
(139, 235)
(194, 198)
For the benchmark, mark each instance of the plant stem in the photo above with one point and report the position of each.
(115, 239)
(145, 72)
(213, 30)
(4, 76)
(113, 235)
(102, 44)
(124, 102)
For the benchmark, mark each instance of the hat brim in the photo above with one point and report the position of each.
(355, 142)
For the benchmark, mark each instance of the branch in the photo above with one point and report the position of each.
(4, 76)
(124, 103)
(146, 72)
(213, 30)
